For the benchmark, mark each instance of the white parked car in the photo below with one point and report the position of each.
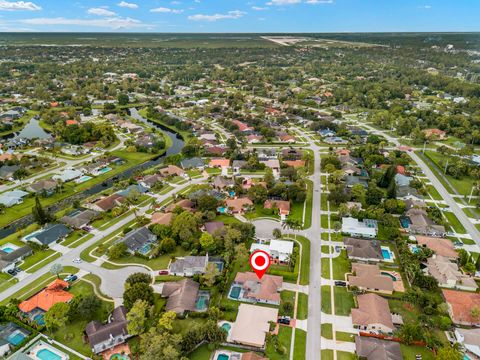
(77, 260)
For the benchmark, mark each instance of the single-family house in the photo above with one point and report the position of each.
(150, 180)
(363, 250)
(295, 163)
(273, 164)
(43, 300)
(238, 205)
(51, 233)
(46, 186)
(420, 223)
(13, 197)
(182, 296)
(8, 259)
(213, 226)
(79, 219)
(7, 171)
(252, 325)
(372, 315)
(184, 204)
(366, 229)
(171, 170)
(238, 165)
(402, 180)
(162, 218)
(114, 332)
(189, 265)
(290, 139)
(375, 349)
(435, 134)
(469, 339)
(283, 207)
(460, 305)
(242, 126)
(68, 175)
(265, 290)
(442, 247)
(408, 193)
(280, 251)
(221, 182)
(369, 278)
(448, 275)
(254, 139)
(107, 203)
(139, 240)
(192, 163)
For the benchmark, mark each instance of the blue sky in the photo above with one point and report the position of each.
(240, 15)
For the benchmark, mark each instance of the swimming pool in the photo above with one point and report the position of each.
(47, 354)
(222, 210)
(235, 292)
(16, 338)
(226, 327)
(8, 250)
(415, 249)
(202, 302)
(386, 254)
(39, 319)
(389, 275)
(104, 170)
(223, 357)
(145, 249)
(119, 357)
(405, 222)
(83, 179)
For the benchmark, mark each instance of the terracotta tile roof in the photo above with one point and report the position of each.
(162, 218)
(71, 122)
(372, 309)
(45, 299)
(263, 289)
(369, 277)
(282, 205)
(238, 204)
(460, 304)
(219, 163)
(295, 163)
(110, 202)
(185, 204)
(172, 170)
(441, 247)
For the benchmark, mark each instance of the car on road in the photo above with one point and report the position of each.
(71, 278)
(340, 283)
(87, 228)
(285, 320)
(163, 272)
(77, 260)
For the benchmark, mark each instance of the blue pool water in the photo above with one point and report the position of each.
(415, 249)
(83, 179)
(226, 327)
(8, 250)
(201, 302)
(222, 210)
(39, 319)
(46, 354)
(119, 357)
(16, 338)
(386, 254)
(389, 275)
(405, 222)
(231, 193)
(104, 170)
(223, 357)
(144, 250)
(235, 292)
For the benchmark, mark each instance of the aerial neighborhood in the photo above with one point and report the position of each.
(136, 181)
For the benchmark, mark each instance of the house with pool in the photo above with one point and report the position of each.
(40, 350)
(139, 241)
(49, 234)
(12, 335)
(37, 305)
(185, 296)
(113, 333)
(247, 287)
(189, 265)
(368, 250)
(11, 254)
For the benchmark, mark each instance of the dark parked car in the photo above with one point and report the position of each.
(340, 283)
(163, 272)
(284, 320)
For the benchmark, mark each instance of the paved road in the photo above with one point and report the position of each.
(449, 200)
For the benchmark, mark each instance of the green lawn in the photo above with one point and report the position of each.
(324, 222)
(283, 340)
(344, 301)
(286, 296)
(409, 352)
(43, 263)
(158, 263)
(201, 353)
(343, 336)
(72, 334)
(260, 212)
(341, 265)
(455, 224)
(434, 193)
(302, 306)
(300, 344)
(327, 354)
(326, 300)
(35, 258)
(343, 355)
(305, 269)
(325, 268)
(327, 331)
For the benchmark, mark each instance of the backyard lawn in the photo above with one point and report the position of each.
(409, 352)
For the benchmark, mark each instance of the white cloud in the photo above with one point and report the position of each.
(258, 8)
(235, 14)
(284, 2)
(18, 6)
(100, 11)
(426, 7)
(127, 5)
(166, 10)
(111, 23)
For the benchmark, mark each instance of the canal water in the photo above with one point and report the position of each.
(177, 145)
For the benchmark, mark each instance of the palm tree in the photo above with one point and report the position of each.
(293, 224)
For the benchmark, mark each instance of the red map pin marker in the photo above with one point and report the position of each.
(260, 262)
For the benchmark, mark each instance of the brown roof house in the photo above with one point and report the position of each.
(364, 250)
(265, 290)
(107, 203)
(435, 134)
(162, 218)
(369, 278)
(80, 219)
(172, 170)
(102, 337)
(252, 325)
(421, 224)
(45, 186)
(238, 205)
(373, 315)
(283, 207)
(448, 275)
(182, 296)
(184, 204)
(221, 182)
(150, 180)
(441, 247)
(376, 349)
(460, 305)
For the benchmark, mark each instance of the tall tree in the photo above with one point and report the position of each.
(57, 316)
(137, 317)
(56, 269)
(40, 216)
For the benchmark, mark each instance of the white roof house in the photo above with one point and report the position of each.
(68, 175)
(470, 339)
(13, 197)
(277, 249)
(366, 228)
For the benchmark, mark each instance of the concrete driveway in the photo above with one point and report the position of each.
(264, 227)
